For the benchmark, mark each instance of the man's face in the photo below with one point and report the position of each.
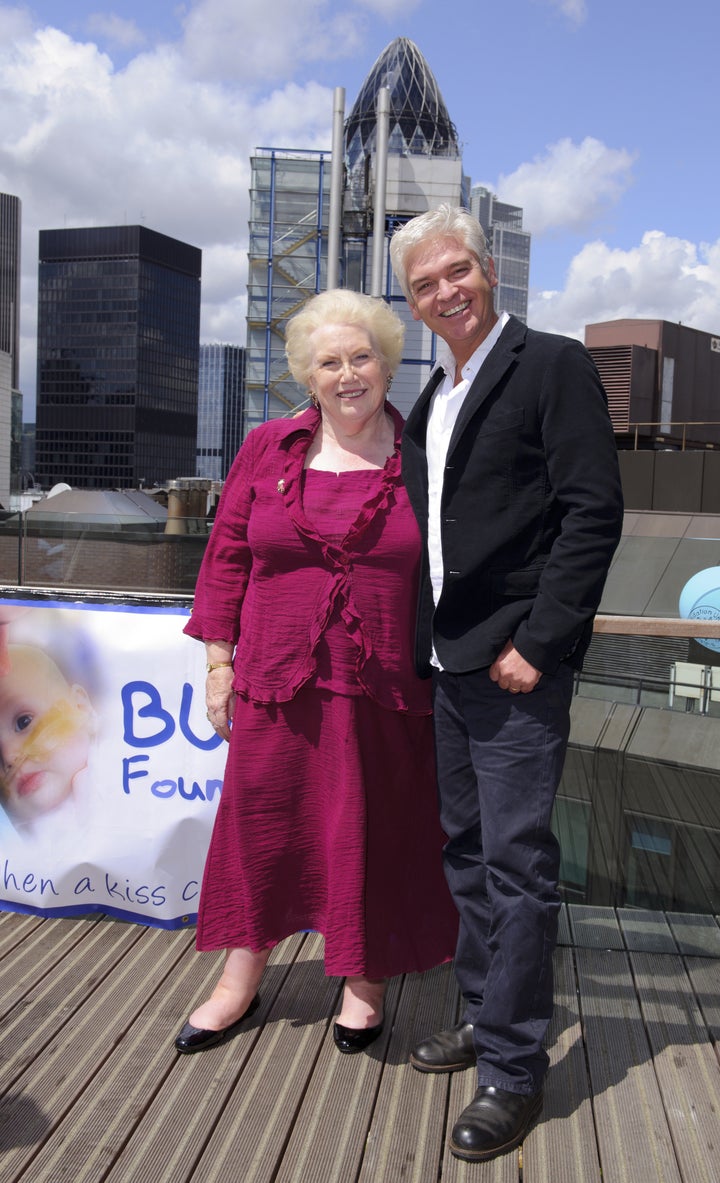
(451, 294)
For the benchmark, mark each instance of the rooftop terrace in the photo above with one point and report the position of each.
(93, 1090)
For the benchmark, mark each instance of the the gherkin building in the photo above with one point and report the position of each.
(419, 122)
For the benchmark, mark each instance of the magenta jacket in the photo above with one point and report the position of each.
(269, 583)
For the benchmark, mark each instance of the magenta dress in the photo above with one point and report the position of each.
(328, 819)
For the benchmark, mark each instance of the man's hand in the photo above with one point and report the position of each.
(512, 672)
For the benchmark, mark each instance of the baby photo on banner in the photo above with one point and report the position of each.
(110, 773)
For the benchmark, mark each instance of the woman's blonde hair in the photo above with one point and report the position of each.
(341, 306)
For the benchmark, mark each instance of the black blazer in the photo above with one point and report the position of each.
(531, 507)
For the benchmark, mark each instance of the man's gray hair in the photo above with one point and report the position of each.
(447, 221)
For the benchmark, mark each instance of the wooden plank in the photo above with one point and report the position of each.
(633, 1139)
(705, 978)
(655, 626)
(104, 1116)
(561, 1147)
(334, 1116)
(646, 931)
(594, 927)
(249, 1139)
(173, 1131)
(38, 1022)
(564, 936)
(43, 948)
(14, 928)
(408, 1127)
(695, 935)
(685, 1063)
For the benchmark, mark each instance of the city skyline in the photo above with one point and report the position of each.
(594, 118)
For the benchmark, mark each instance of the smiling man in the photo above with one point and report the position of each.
(510, 463)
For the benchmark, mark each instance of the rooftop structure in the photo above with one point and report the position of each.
(662, 381)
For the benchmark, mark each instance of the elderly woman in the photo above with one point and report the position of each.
(306, 604)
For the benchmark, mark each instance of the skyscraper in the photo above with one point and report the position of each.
(510, 248)
(289, 221)
(10, 282)
(220, 404)
(10, 399)
(118, 344)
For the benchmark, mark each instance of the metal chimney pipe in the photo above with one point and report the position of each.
(381, 154)
(336, 188)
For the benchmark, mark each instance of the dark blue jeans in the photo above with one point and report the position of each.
(500, 758)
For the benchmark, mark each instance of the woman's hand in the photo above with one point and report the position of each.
(220, 699)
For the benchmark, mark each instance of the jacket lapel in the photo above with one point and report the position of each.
(498, 361)
(416, 423)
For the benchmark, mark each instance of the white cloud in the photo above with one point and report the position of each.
(115, 30)
(663, 278)
(14, 23)
(84, 144)
(260, 42)
(569, 186)
(575, 10)
(390, 8)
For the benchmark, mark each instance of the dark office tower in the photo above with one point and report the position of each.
(10, 282)
(118, 343)
(220, 406)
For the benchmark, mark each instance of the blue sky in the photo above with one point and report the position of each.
(594, 115)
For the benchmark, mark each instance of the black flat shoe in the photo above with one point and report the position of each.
(196, 1039)
(352, 1039)
(494, 1122)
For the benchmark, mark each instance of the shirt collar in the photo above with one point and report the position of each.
(446, 361)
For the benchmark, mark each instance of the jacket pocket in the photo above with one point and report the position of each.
(503, 421)
(513, 585)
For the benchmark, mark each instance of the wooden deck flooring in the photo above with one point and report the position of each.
(92, 1089)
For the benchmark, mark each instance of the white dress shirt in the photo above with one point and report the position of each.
(444, 410)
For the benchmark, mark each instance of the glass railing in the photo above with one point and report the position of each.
(104, 551)
(638, 810)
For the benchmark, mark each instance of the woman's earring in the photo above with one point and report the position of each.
(314, 398)
(389, 384)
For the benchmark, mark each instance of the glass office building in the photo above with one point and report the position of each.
(220, 406)
(10, 282)
(509, 246)
(118, 345)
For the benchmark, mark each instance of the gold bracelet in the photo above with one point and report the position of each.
(216, 665)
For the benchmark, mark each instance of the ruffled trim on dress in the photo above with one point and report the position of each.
(412, 695)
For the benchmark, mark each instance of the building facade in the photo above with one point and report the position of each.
(662, 381)
(220, 409)
(509, 246)
(10, 398)
(118, 347)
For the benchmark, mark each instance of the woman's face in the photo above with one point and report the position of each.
(348, 376)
